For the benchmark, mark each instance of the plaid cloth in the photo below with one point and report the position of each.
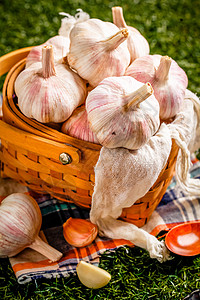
(176, 207)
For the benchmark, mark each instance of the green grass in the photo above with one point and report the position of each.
(171, 28)
(134, 276)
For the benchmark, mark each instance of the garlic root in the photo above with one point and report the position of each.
(92, 276)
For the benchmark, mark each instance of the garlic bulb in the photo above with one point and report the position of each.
(98, 50)
(69, 21)
(21, 219)
(168, 80)
(77, 126)
(123, 112)
(92, 276)
(49, 92)
(137, 44)
(60, 47)
(79, 232)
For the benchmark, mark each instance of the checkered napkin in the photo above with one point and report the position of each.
(176, 207)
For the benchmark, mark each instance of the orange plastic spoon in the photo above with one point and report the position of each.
(184, 239)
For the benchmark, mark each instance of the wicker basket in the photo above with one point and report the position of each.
(48, 161)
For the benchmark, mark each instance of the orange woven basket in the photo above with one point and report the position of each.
(48, 161)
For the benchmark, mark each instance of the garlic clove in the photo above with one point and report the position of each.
(78, 126)
(137, 44)
(21, 220)
(98, 50)
(123, 112)
(168, 80)
(79, 232)
(49, 92)
(92, 276)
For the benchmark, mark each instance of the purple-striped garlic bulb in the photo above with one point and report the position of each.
(21, 220)
(78, 126)
(60, 47)
(137, 44)
(49, 92)
(98, 50)
(123, 112)
(168, 80)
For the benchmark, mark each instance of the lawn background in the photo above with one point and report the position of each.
(172, 28)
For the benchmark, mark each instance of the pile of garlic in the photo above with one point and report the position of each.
(99, 81)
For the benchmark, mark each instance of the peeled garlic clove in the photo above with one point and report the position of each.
(69, 21)
(21, 220)
(137, 44)
(60, 45)
(168, 80)
(92, 276)
(79, 232)
(123, 112)
(78, 126)
(98, 50)
(49, 92)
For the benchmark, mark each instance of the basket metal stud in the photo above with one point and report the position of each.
(65, 158)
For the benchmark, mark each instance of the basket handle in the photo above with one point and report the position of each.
(29, 142)
(8, 60)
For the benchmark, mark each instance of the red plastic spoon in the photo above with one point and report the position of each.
(184, 239)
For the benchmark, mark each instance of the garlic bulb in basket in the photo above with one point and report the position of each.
(98, 50)
(123, 112)
(60, 47)
(137, 44)
(168, 80)
(69, 21)
(78, 126)
(48, 92)
(21, 219)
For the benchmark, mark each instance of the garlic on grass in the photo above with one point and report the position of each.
(123, 112)
(60, 47)
(69, 21)
(168, 80)
(98, 50)
(92, 276)
(21, 220)
(49, 92)
(78, 126)
(137, 44)
(79, 232)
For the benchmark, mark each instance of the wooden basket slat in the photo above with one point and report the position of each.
(36, 166)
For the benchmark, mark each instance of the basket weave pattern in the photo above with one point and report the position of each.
(30, 153)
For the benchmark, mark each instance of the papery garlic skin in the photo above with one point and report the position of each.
(60, 47)
(48, 92)
(98, 50)
(79, 232)
(168, 80)
(137, 44)
(69, 21)
(21, 220)
(115, 119)
(78, 126)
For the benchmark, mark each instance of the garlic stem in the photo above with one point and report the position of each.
(48, 69)
(45, 249)
(114, 41)
(118, 18)
(134, 99)
(162, 72)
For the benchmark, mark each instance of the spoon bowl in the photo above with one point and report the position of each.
(184, 239)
